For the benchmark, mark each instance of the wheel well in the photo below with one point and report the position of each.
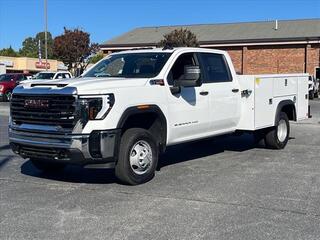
(290, 110)
(151, 121)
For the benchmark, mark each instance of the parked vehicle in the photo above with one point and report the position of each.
(8, 82)
(313, 86)
(52, 75)
(131, 105)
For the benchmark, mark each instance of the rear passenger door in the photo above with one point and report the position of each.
(223, 92)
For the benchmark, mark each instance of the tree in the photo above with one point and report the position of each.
(73, 47)
(179, 38)
(30, 46)
(8, 52)
(96, 58)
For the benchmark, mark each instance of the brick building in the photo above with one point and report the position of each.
(289, 46)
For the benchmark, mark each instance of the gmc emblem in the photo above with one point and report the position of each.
(36, 103)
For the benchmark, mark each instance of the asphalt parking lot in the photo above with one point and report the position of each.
(222, 188)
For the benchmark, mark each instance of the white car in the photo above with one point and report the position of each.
(125, 110)
(52, 75)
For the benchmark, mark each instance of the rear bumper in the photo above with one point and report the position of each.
(99, 147)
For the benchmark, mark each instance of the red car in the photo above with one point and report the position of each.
(8, 82)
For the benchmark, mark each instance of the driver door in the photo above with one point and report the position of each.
(188, 110)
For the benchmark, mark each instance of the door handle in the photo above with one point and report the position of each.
(204, 93)
(235, 90)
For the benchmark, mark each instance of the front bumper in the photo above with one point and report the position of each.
(99, 147)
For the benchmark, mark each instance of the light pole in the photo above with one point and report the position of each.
(46, 32)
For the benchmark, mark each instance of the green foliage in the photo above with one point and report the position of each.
(8, 52)
(73, 47)
(30, 46)
(179, 38)
(96, 58)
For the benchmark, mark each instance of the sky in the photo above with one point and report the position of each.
(105, 19)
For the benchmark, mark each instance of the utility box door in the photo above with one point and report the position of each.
(303, 98)
(284, 86)
(264, 116)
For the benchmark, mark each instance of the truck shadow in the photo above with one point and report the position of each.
(174, 155)
(195, 150)
(72, 174)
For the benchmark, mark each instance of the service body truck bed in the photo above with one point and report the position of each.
(260, 104)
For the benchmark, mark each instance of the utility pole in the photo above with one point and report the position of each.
(46, 32)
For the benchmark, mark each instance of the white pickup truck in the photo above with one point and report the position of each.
(47, 75)
(125, 110)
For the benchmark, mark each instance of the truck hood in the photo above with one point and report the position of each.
(88, 85)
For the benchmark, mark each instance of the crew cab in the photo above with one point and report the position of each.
(125, 110)
(8, 82)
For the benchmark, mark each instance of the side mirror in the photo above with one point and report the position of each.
(191, 77)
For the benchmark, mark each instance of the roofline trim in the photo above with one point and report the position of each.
(210, 44)
(259, 44)
(229, 23)
(315, 38)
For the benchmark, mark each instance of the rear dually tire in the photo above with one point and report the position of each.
(278, 136)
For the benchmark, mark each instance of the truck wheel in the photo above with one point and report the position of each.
(138, 157)
(278, 136)
(47, 166)
(7, 96)
(311, 94)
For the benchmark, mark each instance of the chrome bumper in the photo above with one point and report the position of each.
(97, 147)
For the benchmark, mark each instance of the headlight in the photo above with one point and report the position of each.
(95, 107)
(1, 87)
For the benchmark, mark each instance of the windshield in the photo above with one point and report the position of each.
(44, 76)
(130, 65)
(5, 78)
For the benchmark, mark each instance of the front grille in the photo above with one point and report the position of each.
(58, 110)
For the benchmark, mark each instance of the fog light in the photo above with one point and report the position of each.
(95, 145)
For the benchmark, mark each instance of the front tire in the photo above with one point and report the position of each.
(278, 136)
(45, 166)
(138, 157)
